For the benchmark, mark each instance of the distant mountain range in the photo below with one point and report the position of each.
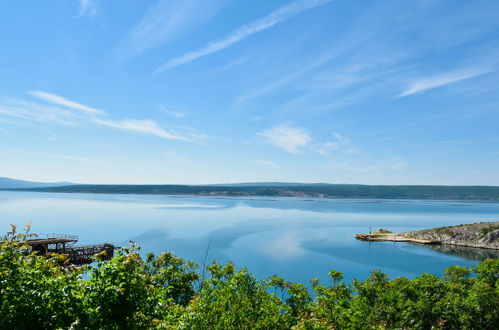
(7, 183)
(270, 189)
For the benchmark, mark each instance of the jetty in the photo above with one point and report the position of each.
(65, 244)
(393, 237)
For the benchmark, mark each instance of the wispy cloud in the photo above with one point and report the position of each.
(265, 163)
(367, 62)
(327, 147)
(172, 113)
(229, 65)
(59, 100)
(145, 126)
(87, 7)
(341, 140)
(282, 81)
(38, 112)
(277, 16)
(340, 143)
(167, 20)
(338, 79)
(69, 113)
(442, 80)
(289, 138)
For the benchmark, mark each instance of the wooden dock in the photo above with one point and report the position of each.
(392, 237)
(65, 244)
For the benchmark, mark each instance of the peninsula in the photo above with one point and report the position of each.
(483, 235)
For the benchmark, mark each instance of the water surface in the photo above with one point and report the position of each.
(296, 238)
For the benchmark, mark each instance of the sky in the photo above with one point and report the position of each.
(225, 91)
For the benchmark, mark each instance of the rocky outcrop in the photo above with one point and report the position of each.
(477, 235)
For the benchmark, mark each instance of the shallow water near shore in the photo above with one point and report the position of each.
(296, 238)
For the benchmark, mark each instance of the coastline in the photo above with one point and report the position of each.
(333, 191)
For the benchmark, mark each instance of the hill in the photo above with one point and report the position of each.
(7, 183)
(488, 193)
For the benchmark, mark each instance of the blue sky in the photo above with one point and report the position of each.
(211, 91)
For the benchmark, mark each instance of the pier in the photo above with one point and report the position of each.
(65, 244)
(392, 237)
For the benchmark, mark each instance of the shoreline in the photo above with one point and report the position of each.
(278, 196)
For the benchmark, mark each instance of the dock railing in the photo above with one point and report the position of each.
(59, 236)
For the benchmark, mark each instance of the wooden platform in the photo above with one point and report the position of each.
(65, 244)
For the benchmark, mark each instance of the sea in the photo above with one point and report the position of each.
(295, 238)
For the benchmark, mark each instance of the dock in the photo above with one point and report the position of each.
(392, 237)
(65, 244)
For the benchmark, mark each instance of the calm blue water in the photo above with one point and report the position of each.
(295, 238)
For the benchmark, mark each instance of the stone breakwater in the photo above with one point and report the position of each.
(391, 237)
(477, 235)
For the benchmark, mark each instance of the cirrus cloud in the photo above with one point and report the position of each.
(442, 80)
(63, 111)
(277, 16)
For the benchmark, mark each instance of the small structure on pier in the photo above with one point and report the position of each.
(65, 244)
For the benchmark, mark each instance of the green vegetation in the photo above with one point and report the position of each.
(487, 230)
(300, 190)
(382, 231)
(444, 231)
(163, 292)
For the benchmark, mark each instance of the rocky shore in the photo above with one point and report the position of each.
(477, 235)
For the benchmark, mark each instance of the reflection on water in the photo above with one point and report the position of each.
(467, 253)
(298, 239)
(283, 248)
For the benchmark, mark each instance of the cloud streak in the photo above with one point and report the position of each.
(63, 111)
(277, 16)
(38, 112)
(172, 113)
(59, 100)
(442, 80)
(145, 126)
